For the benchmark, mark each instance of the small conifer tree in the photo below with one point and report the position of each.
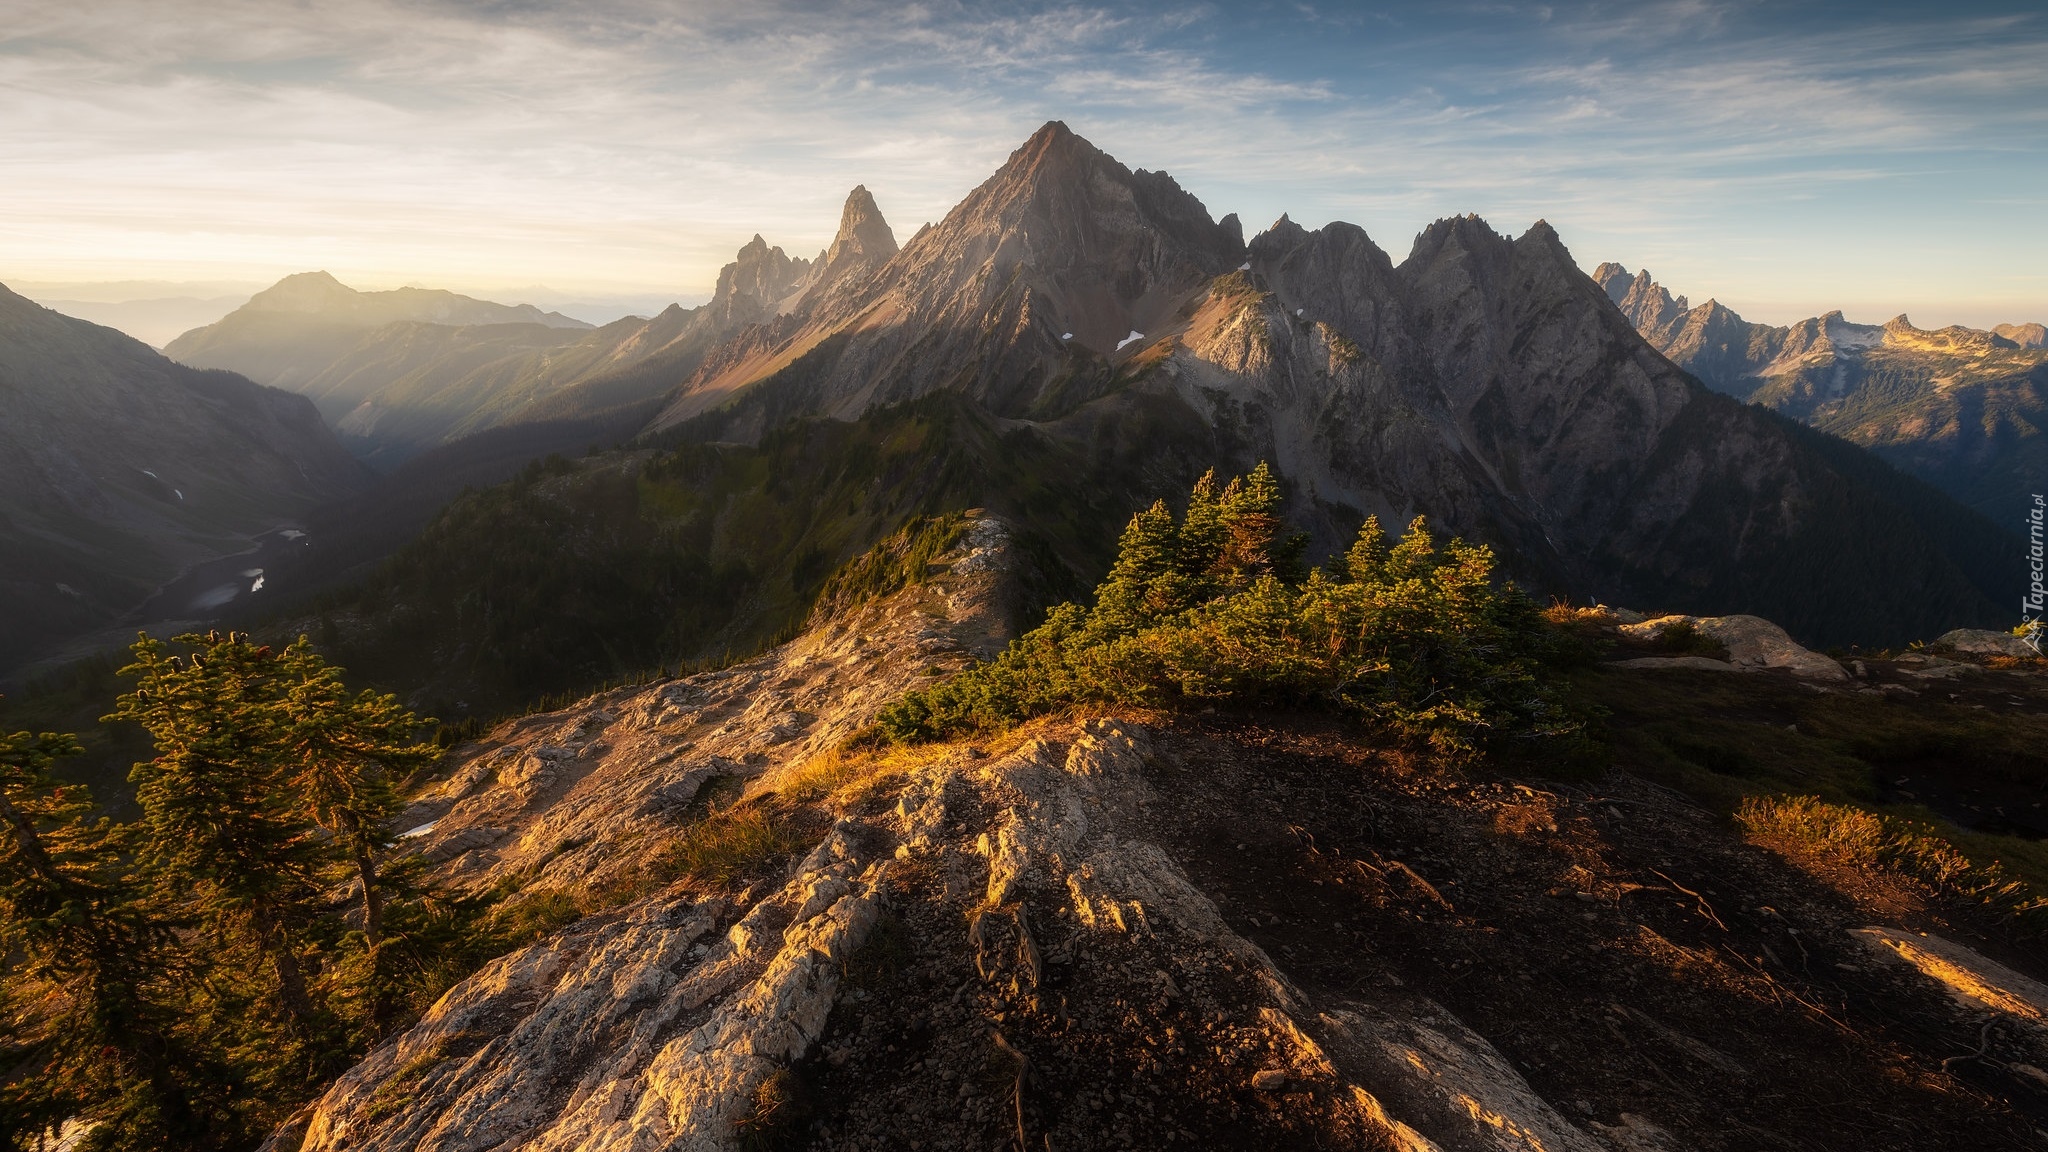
(1417, 638)
(343, 754)
(90, 972)
(222, 838)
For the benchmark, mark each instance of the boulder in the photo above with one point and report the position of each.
(1982, 642)
(1753, 644)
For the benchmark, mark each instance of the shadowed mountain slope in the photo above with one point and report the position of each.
(119, 468)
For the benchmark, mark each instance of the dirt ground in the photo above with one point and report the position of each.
(1625, 949)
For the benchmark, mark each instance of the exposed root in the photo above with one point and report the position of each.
(1706, 909)
(1017, 1089)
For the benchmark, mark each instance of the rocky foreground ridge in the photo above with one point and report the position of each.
(1155, 931)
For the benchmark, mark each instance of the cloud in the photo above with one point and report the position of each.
(633, 144)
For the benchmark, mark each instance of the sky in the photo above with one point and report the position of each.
(1785, 159)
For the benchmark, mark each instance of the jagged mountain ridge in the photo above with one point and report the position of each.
(1023, 296)
(1959, 407)
(1485, 382)
(120, 468)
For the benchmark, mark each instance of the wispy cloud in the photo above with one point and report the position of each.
(632, 144)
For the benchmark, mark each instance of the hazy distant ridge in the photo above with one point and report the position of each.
(1960, 407)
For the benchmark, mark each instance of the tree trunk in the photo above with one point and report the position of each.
(373, 900)
(25, 838)
(291, 980)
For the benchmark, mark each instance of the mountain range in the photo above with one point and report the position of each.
(1088, 329)
(1077, 339)
(120, 468)
(1960, 407)
(398, 372)
(1484, 381)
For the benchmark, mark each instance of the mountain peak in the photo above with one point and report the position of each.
(1052, 134)
(2024, 335)
(1053, 155)
(1063, 250)
(1542, 233)
(863, 233)
(304, 292)
(1459, 238)
(759, 275)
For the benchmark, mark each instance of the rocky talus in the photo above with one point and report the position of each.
(656, 1026)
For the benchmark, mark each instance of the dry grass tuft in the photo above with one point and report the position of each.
(1869, 840)
(727, 843)
(1565, 612)
(781, 1111)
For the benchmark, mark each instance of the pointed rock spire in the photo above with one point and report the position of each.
(863, 234)
(758, 277)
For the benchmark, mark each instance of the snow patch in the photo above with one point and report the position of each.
(292, 534)
(1245, 267)
(415, 833)
(1066, 335)
(181, 495)
(1131, 339)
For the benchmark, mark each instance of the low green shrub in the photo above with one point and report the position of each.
(1682, 638)
(1216, 606)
